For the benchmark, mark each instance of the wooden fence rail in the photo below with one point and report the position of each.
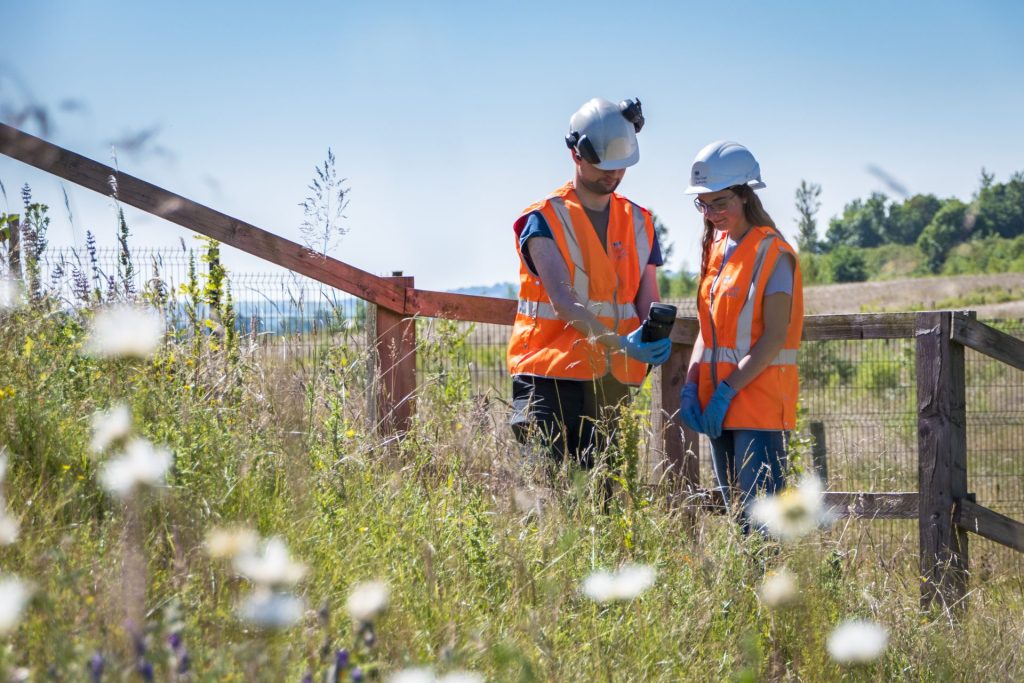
(944, 508)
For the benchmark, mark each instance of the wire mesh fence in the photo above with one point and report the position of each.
(862, 393)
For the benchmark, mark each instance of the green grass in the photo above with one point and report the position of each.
(476, 583)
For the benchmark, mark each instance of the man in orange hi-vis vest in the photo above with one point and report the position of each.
(587, 278)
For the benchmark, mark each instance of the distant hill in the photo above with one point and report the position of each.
(500, 290)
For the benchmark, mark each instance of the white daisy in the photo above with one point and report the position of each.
(110, 427)
(14, 595)
(141, 465)
(230, 542)
(9, 528)
(794, 512)
(271, 609)
(461, 677)
(414, 675)
(124, 331)
(367, 600)
(778, 588)
(625, 584)
(271, 567)
(10, 294)
(857, 641)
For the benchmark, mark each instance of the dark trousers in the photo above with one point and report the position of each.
(573, 419)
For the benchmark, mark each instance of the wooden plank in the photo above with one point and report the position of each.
(942, 459)
(990, 524)
(481, 309)
(194, 216)
(988, 340)
(859, 326)
(674, 446)
(859, 504)
(395, 351)
(828, 327)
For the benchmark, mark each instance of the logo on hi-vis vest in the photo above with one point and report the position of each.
(618, 252)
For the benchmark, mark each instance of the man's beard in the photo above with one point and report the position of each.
(601, 187)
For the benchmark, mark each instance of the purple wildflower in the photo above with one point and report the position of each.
(96, 665)
(174, 641)
(357, 675)
(145, 669)
(307, 677)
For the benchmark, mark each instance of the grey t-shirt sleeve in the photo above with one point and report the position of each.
(536, 226)
(781, 280)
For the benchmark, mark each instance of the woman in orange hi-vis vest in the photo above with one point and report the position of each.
(587, 278)
(741, 384)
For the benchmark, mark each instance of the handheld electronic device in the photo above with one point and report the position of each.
(659, 322)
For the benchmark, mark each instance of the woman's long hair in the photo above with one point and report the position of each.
(753, 211)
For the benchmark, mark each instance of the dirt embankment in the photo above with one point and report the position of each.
(922, 294)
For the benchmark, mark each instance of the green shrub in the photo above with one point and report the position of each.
(847, 264)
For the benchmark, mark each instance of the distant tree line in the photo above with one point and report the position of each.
(920, 235)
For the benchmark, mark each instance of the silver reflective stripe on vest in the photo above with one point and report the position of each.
(745, 324)
(734, 356)
(580, 279)
(643, 247)
(545, 311)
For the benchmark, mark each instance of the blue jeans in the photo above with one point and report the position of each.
(748, 462)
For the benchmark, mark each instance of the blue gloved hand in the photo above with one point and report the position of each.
(655, 352)
(714, 414)
(689, 407)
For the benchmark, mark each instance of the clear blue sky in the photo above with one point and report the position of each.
(447, 117)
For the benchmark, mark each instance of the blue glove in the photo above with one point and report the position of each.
(714, 414)
(689, 407)
(655, 352)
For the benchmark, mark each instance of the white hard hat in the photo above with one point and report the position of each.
(721, 165)
(604, 134)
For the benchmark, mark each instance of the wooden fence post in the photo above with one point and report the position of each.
(675, 447)
(819, 450)
(395, 367)
(942, 459)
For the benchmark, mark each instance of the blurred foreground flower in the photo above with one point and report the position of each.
(272, 568)
(110, 427)
(14, 595)
(227, 543)
(10, 294)
(625, 584)
(528, 502)
(271, 609)
(9, 527)
(857, 641)
(125, 332)
(778, 588)
(424, 675)
(416, 675)
(461, 677)
(793, 513)
(141, 465)
(367, 600)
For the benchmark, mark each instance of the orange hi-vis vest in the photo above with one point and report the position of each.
(606, 282)
(730, 307)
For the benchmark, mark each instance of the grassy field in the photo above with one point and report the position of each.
(484, 553)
